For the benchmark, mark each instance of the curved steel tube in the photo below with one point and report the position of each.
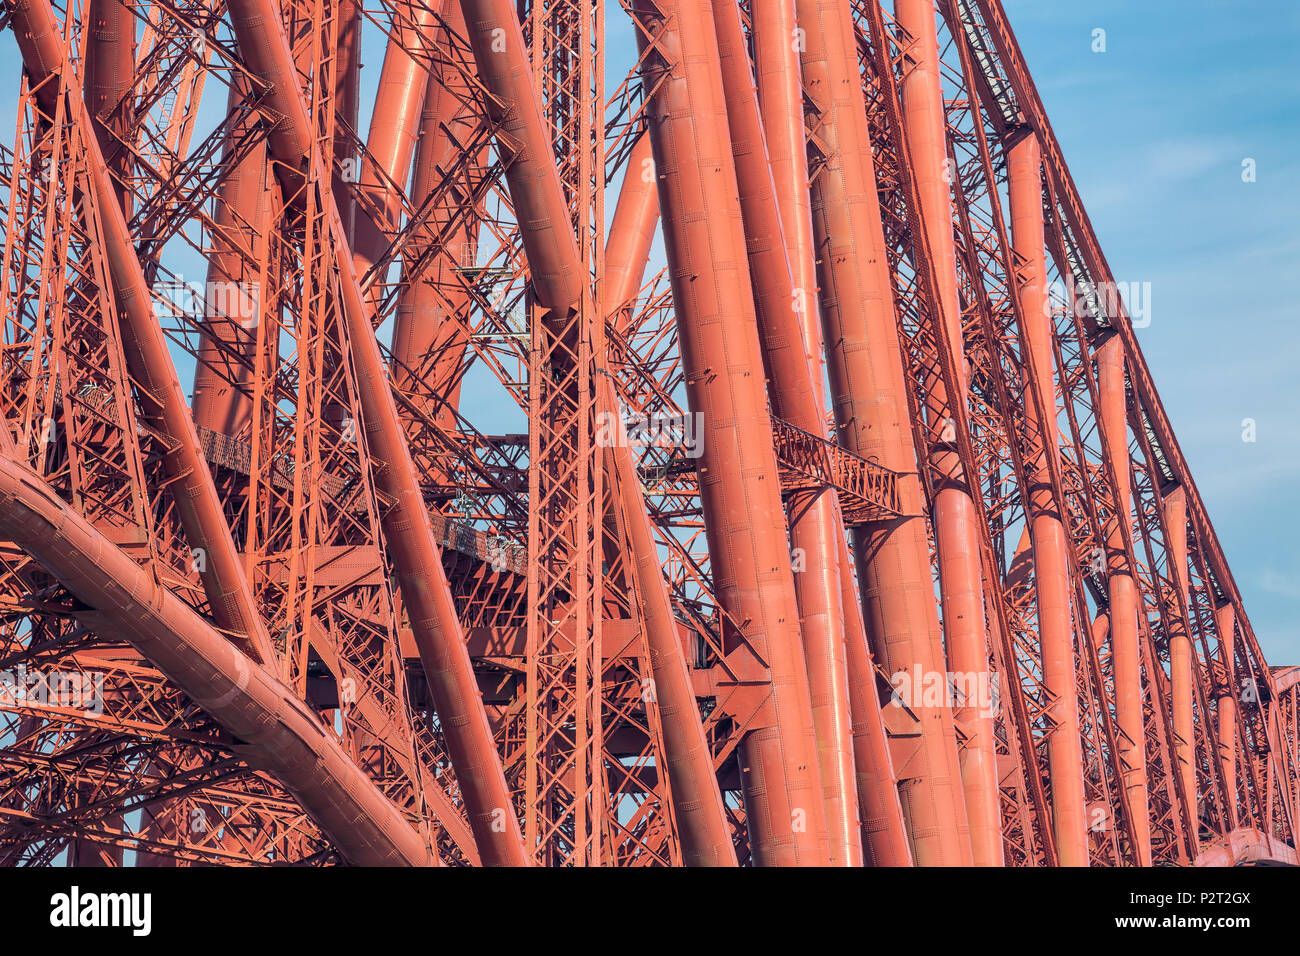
(274, 731)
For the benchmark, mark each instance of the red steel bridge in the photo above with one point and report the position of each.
(855, 535)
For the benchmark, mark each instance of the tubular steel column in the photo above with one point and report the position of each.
(871, 411)
(347, 104)
(780, 95)
(1225, 619)
(954, 513)
(110, 66)
(739, 484)
(244, 207)
(394, 126)
(815, 520)
(1051, 546)
(1126, 654)
(780, 98)
(884, 830)
(416, 557)
(428, 335)
(1180, 655)
(697, 801)
(632, 232)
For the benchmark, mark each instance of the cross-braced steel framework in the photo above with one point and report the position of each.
(857, 534)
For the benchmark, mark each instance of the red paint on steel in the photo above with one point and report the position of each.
(1051, 547)
(814, 518)
(718, 337)
(416, 557)
(869, 400)
(954, 512)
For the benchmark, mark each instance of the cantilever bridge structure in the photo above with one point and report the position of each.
(857, 534)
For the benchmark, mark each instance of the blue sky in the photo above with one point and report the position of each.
(1155, 131)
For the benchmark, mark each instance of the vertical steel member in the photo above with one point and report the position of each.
(535, 188)
(955, 521)
(739, 484)
(884, 830)
(814, 524)
(147, 355)
(553, 255)
(394, 125)
(419, 571)
(244, 206)
(869, 397)
(1126, 655)
(1180, 656)
(1051, 545)
(110, 68)
(780, 97)
(347, 105)
(780, 100)
(632, 232)
(426, 334)
(697, 801)
(1225, 619)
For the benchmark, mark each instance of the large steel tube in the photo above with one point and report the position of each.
(780, 97)
(1126, 655)
(274, 731)
(739, 484)
(1052, 559)
(110, 69)
(148, 358)
(525, 148)
(426, 333)
(394, 127)
(632, 232)
(697, 800)
(815, 524)
(955, 518)
(347, 105)
(925, 121)
(1181, 666)
(1225, 619)
(884, 831)
(869, 398)
(419, 572)
(1126, 662)
(780, 100)
(244, 208)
